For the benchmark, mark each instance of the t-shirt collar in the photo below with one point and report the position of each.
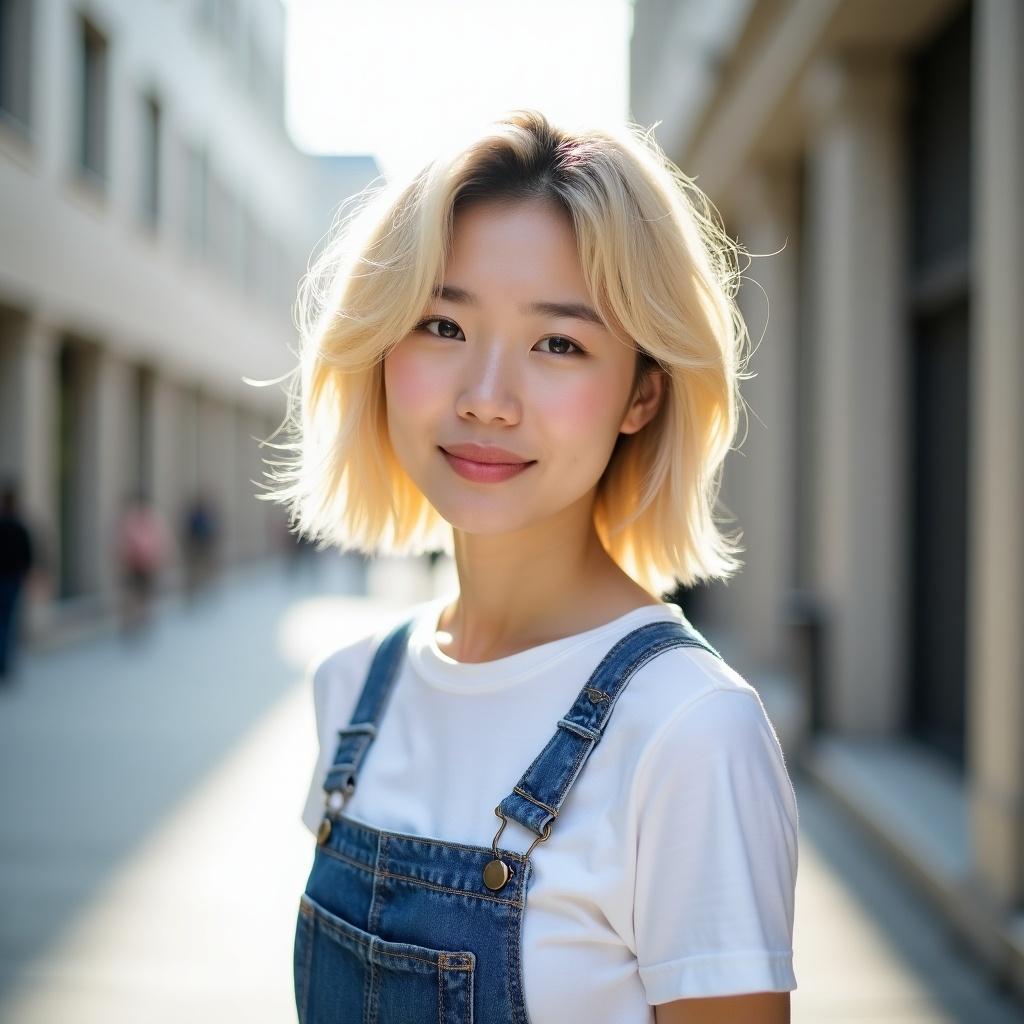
(439, 670)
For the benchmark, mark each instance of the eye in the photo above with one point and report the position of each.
(444, 327)
(567, 341)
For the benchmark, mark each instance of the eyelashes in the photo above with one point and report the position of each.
(425, 324)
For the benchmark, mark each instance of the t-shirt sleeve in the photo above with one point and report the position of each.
(716, 854)
(312, 810)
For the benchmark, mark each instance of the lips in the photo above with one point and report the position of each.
(483, 463)
(487, 454)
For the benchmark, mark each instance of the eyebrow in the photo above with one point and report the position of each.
(568, 310)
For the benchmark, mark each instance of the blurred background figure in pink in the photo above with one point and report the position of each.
(142, 548)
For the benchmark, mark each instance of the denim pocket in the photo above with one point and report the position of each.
(343, 974)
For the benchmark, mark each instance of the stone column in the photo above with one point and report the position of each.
(856, 211)
(166, 459)
(105, 472)
(760, 477)
(995, 644)
(31, 394)
(35, 444)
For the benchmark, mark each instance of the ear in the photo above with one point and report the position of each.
(647, 399)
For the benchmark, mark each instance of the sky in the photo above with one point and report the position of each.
(403, 79)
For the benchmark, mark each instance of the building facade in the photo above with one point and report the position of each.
(870, 157)
(155, 219)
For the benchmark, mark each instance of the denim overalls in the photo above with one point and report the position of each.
(398, 929)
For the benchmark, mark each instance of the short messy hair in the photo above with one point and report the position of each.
(662, 273)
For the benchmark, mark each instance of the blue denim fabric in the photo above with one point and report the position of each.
(398, 929)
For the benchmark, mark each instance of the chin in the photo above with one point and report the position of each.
(483, 522)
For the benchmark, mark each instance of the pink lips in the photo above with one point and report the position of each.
(484, 464)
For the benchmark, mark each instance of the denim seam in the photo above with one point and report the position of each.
(455, 892)
(433, 842)
(459, 965)
(534, 800)
(583, 731)
(585, 752)
(331, 927)
(440, 994)
(373, 912)
(540, 757)
(517, 994)
(417, 881)
(357, 729)
(510, 960)
(371, 1001)
(563, 789)
(307, 968)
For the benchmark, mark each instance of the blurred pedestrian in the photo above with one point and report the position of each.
(16, 561)
(141, 549)
(200, 529)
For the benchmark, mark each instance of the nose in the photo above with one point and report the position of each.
(490, 387)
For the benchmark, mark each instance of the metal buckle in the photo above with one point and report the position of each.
(497, 872)
(324, 832)
(501, 828)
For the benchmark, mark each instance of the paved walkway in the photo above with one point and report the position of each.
(151, 850)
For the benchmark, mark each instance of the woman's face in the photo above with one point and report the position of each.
(495, 363)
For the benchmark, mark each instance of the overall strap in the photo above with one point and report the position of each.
(355, 739)
(536, 799)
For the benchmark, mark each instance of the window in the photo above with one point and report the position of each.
(93, 115)
(149, 174)
(15, 62)
(939, 150)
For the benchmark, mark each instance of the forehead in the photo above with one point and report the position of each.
(524, 244)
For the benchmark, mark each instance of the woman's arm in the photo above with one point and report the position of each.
(757, 1008)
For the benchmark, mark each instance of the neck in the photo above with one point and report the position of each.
(523, 589)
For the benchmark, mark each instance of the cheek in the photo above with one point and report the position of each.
(407, 382)
(581, 424)
(587, 410)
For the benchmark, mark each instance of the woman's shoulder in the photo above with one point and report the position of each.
(703, 718)
(679, 680)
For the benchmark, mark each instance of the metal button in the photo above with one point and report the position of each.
(323, 833)
(496, 875)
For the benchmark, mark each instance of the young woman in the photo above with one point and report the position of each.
(543, 797)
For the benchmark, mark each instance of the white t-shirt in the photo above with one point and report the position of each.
(670, 871)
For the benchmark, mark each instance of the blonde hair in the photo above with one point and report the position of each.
(663, 275)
